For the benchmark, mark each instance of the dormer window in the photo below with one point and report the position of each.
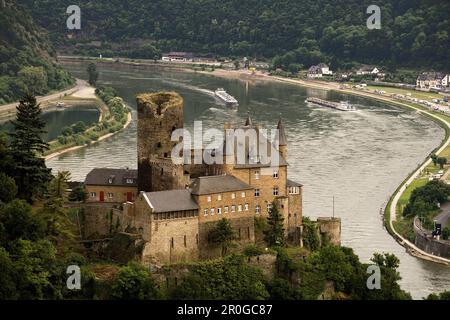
(130, 181)
(111, 179)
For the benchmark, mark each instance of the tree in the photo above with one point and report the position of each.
(30, 173)
(78, 194)
(390, 289)
(53, 213)
(79, 127)
(134, 282)
(222, 279)
(8, 188)
(440, 296)
(441, 161)
(311, 238)
(92, 74)
(35, 79)
(222, 234)
(17, 221)
(274, 235)
(434, 159)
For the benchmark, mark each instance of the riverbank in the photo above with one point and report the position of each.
(106, 136)
(390, 216)
(114, 117)
(49, 102)
(321, 85)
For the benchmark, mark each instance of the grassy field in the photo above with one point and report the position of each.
(428, 96)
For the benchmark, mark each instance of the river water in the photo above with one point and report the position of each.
(359, 157)
(57, 119)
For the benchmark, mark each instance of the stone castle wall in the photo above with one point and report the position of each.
(172, 241)
(101, 220)
(330, 230)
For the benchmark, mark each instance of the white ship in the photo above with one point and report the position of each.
(225, 97)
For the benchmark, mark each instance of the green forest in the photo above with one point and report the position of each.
(27, 59)
(413, 34)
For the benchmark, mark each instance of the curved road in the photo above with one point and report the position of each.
(80, 85)
(392, 210)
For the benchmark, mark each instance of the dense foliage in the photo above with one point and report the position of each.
(414, 33)
(426, 198)
(27, 60)
(35, 243)
(307, 278)
(222, 279)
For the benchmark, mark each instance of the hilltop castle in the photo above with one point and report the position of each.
(174, 206)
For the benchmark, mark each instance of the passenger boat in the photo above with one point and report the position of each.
(225, 97)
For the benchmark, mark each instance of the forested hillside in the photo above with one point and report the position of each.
(414, 33)
(27, 60)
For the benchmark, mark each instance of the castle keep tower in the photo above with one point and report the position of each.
(159, 114)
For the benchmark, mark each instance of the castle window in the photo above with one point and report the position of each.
(172, 243)
(110, 195)
(248, 232)
(257, 175)
(130, 180)
(233, 195)
(240, 208)
(239, 233)
(219, 197)
(219, 210)
(269, 207)
(256, 192)
(158, 145)
(233, 208)
(162, 171)
(226, 209)
(242, 194)
(196, 238)
(93, 194)
(205, 212)
(209, 199)
(185, 241)
(275, 174)
(275, 191)
(212, 211)
(165, 154)
(246, 207)
(258, 209)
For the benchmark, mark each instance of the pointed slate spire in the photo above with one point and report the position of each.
(282, 134)
(249, 121)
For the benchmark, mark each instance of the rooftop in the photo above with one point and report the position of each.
(217, 184)
(112, 177)
(171, 200)
(291, 183)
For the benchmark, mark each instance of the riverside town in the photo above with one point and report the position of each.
(208, 157)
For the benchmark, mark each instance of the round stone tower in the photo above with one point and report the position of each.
(159, 114)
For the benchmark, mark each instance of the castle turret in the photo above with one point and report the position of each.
(282, 143)
(248, 121)
(159, 114)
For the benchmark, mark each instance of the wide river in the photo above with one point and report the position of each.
(359, 157)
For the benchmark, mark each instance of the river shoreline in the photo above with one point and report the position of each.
(389, 209)
(106, 136)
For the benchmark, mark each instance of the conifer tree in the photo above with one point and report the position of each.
(27, 146)
(274, 235)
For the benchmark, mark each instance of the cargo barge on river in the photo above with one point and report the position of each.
(341, 106)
